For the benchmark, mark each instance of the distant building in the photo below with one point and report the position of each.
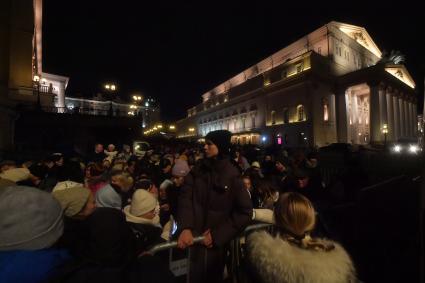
(25, 85)
(329, 86)
(148, 111)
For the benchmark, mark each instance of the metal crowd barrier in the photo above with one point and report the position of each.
(180, 267)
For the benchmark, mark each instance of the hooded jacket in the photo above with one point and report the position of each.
(276, 260)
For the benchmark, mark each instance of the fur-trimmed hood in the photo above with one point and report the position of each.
(275, 260)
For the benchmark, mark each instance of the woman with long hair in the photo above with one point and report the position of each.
(292, 255)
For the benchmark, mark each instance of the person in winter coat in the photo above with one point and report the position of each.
(30, 226)
(98, 155)
(212, 203)
(114, 194)
(108, 254)
(78, 204)
(179, 172)
(143, 217)
(292, 256)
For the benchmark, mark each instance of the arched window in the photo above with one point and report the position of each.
(300, 113)
(273, 116)
(325, 109)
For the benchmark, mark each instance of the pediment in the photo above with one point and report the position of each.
(401, 73)
(360, 35)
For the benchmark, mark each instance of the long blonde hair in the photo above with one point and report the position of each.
(295, 218)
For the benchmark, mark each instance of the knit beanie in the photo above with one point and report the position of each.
(256, 164)
(180, 168)
(66, 185)
(141, 203)
(72, 200)
(16, 174)
(221, 138)
(30, 219)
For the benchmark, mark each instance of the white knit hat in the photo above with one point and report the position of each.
(141, 203)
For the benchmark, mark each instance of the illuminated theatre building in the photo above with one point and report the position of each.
(329, 86)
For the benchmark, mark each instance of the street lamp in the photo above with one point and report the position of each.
(110, 89)
(137, 99)
(385, 132)
(36, 80)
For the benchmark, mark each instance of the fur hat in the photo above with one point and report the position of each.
(180, 168)
(142, 202)
(30, 219)
(72, 200)
(221, 138)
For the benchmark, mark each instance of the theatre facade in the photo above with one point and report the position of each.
(332, 85)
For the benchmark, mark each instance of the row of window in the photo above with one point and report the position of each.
(230, 125)
(300, 115)
(357, 60)
(229, 113)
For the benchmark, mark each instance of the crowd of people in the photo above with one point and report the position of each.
(95, 219)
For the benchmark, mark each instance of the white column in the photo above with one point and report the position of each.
(332, 117)
(396, 118)
(383, 106)
(61, 97)
(412, 119)
(375, 115)
(401, 112)
(409, 117)
(390, 113)
(342, 116)
(406, 118)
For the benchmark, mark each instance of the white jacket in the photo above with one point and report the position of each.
(275, 260)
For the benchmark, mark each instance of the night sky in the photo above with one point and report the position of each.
(176, 51)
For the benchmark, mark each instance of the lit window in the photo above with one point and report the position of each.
(299, 68)
(325, 113)
(300, 113)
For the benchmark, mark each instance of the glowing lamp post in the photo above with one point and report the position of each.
(36, 81)
(385, 132)
(110, 88)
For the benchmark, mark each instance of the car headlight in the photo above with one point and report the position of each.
(413, 148)
(397, 148)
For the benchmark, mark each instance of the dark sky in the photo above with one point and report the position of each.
(178, 50)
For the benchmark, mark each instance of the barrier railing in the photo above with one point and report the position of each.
(199, 239)
(181, 266)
